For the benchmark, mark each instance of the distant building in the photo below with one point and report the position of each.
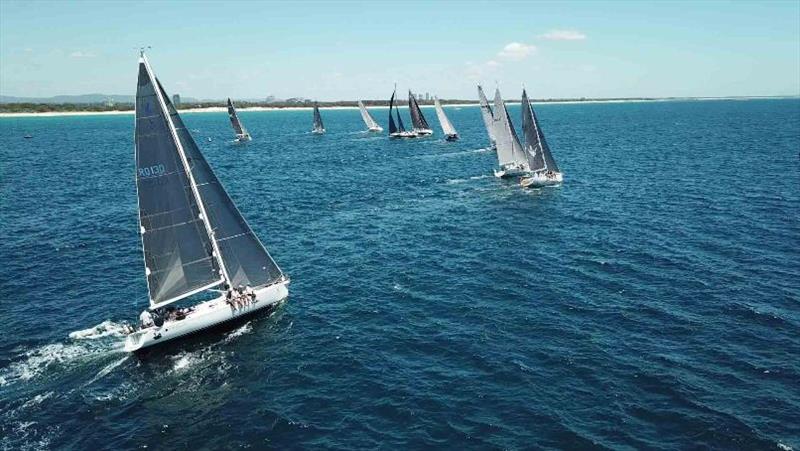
(176, 99)
(110, 102)
(427, 96)
(419, 96)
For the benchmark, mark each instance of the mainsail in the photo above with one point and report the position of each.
(487, 115)
(538, 152)
(447, 127)
(392, 125)
(417, 119)
(368, 119)
(318, 127)
(244, 258)
(178, 252)
(509, 150)
(237, 124)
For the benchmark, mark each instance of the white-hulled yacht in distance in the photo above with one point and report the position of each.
(194, 238)
(510, 156)
(238, 128)
(318, 127)
(397, 130)
(450, 133)
(544, 170)
(421, 127)
(372, 125)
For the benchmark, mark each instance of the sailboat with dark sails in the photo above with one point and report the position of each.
(543, 168)
(372, 125)
(197, 245)
(510, 156)
(449, 131)
(487, 115)
(238, 128)
(421, 126)
(318, 127)
(397, 130)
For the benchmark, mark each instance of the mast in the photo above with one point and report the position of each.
(186, 167)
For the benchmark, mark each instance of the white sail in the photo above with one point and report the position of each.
(487, 115)
(509, 149)
(447, 127)
(368, 119)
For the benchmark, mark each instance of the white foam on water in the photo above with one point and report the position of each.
(106, 369)
(783, 447)
(38, 360)
(244, 329)
(105, 329)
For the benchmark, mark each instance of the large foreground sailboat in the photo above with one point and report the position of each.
(447, 127)
(510, 156)
(397, 130)
(194, 238)
(544, 170)
(368, 119)
(238, 128)
(421, 126)
(487, 115)
(318, 127)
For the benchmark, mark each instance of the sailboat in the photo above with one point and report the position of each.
(510, 156)
(318, 127)
(544, 170)
(421, 126)
(397, 130)
(238, 128)
(487, 115)
(368, 119)
(195, 240)
(447, 128)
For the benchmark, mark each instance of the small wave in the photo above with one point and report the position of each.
(104, 329)
(38, 360)
(244, 329)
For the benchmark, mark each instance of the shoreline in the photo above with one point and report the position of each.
(221, 109)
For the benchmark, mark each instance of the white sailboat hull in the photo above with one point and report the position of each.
(318, 131)
(205, 315)
(540, 179)
(403, 135)
(423, 131)
(243, 138)
(376, 129)
(509, 171)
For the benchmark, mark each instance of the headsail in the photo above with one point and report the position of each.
(235, 122)
(318, 127)
(178, 251)
(509, 150)
(392, 125)
(447, 127)
(368, 119)
(538, 152)
(244, 257)
(487, 115)
(400, 126)
(417, 119)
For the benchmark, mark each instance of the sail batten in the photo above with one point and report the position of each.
(447, 126)
(417, 119)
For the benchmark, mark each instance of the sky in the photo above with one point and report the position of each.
(350, 50)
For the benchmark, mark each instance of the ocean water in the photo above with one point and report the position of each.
(651, 302)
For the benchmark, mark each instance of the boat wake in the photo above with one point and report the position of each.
(475, 177)
(105, 329)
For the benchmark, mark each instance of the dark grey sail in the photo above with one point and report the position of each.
(392, 125)
(237, 125)
(317, 119)
(534, 139)
(178, 253)
(417, 119)
(400, 126)
(246, 260)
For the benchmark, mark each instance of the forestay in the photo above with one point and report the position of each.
(447, 127)
(538, 152)
(178, 253)
(244, 257)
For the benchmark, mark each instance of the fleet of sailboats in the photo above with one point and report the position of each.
(368, 119)
(318, 127)
(238, 128)
(447, 127)
(198, 248)
(194, 238)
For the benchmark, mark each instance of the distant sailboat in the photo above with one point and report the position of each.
(397, 130)
(487, 115)
(368, 119)
(447, 128)
(421, 126)
(510, 156)
(318, 127)
(544, 170)
(238, 128)
(193, 236)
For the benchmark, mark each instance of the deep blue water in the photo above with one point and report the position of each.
(652, 301)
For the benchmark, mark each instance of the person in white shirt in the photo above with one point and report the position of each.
(146, 319)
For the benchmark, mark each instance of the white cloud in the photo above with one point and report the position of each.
(80, 54)
(516, 51)
(492, 63)
(564, 35)
(477, 72)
